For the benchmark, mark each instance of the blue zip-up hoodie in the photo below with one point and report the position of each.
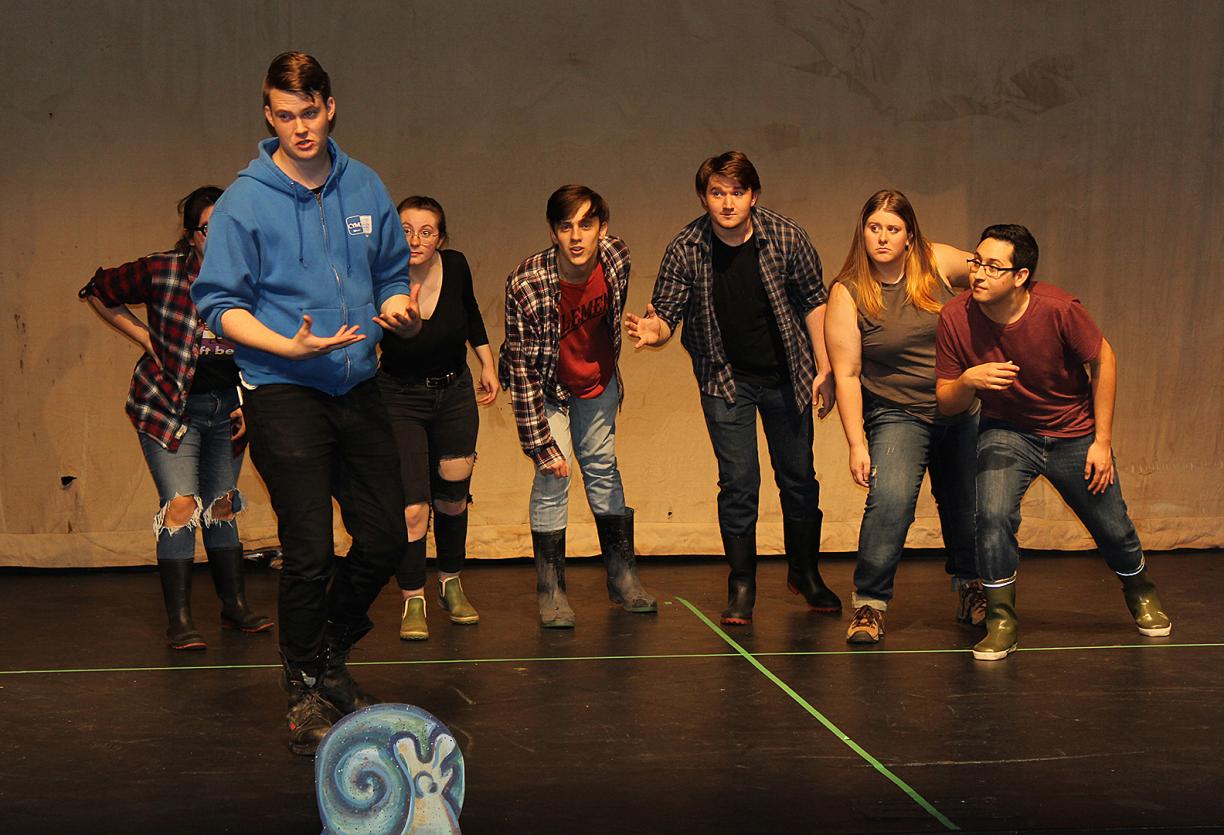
(276, 250)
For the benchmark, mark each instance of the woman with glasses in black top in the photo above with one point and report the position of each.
(430, 396)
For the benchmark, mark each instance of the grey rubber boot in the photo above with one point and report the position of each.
(616, 546)
(549, 548)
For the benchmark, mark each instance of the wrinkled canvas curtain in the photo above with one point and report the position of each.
(1097, 125)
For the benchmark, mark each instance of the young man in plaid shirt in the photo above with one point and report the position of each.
(747, 282)
(560, 364)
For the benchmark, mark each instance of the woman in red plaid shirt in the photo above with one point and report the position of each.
(184, 404)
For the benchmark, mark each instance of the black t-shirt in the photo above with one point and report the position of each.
(215, 367)
(750, 335)
(441, 345)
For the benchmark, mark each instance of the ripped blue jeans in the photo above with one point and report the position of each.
(205, 468)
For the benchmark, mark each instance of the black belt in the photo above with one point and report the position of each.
(442, 381)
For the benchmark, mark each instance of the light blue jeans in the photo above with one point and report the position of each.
(1007, 462)
(587, 430)
(204, 466)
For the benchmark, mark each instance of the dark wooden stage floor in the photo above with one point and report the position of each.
(634, 723)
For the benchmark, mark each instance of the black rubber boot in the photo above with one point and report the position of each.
(176, 589)
(549, 548)
(802, 540)
(338, 685)
(741, 582)
(310, 714)
(616, 546)
(225, 565)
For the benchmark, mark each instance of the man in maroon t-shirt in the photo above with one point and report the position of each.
(1046, 379)
(559, 363)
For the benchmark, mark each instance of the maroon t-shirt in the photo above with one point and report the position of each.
(584, 363)
(1051, 343)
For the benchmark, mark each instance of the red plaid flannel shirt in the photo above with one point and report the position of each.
(528, 362)
(161, 282)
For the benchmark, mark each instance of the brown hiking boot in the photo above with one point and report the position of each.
(866, 627)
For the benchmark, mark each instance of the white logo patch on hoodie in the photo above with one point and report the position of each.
(359, 224)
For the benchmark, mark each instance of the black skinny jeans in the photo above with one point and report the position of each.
(308, 447)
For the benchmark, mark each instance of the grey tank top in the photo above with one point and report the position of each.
(899, 355)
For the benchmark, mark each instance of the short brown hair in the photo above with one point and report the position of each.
(565, 201)
(427, 204)
(732, 164)
(299, 73)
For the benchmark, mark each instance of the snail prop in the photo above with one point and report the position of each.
(389, 769)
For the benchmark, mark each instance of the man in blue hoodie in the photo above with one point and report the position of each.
(306, 266)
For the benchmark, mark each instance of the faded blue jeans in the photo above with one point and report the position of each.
(585, 430)
(902, 448)
(788, 434)
(1008, 460)
(203, 466)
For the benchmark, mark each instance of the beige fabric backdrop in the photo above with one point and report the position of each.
(1097, 124)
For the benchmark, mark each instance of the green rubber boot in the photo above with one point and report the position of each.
(1144, 605)
(413, 626)
(1002, 625)
(455, 602)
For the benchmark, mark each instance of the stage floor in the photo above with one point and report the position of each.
(638, 723)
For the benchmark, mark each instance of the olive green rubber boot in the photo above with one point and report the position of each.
(1144, 605)
(455, 602)
(413, 626)
(1002, 626)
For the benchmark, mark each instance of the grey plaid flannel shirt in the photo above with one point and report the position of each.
(791, 273)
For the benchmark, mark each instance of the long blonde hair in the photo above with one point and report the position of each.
(922, 278)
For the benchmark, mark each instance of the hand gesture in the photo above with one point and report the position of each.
(305, 345)
(647, 330)
(860, 465)
(824, 393)
(557, 469)
(1098, 467)
(488, 386)
(237, 424)
(402, 318)
(991, 376)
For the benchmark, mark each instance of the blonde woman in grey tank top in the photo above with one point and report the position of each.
(880, 331)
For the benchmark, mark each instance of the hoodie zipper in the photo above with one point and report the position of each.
(348, 363)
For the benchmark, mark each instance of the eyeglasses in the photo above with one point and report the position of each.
(988, 270)
(425, 235)
(202, 229)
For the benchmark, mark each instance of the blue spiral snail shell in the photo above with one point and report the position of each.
(390, 768)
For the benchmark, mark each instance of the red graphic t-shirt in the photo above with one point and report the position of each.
(584, 364)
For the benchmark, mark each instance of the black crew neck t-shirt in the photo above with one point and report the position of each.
(750, 335)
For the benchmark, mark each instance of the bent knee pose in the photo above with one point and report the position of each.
(880, 328)
(747, 283)
(560, 363)
(307, 265)
(428, 390)
(184, 404)
(1046, 379)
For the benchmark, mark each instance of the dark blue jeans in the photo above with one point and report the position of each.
(902, 449)
(1008, 461)
(788, 434)
(309, 447)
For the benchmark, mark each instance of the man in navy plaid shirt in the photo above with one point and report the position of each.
(560, 364)
(747, 283)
